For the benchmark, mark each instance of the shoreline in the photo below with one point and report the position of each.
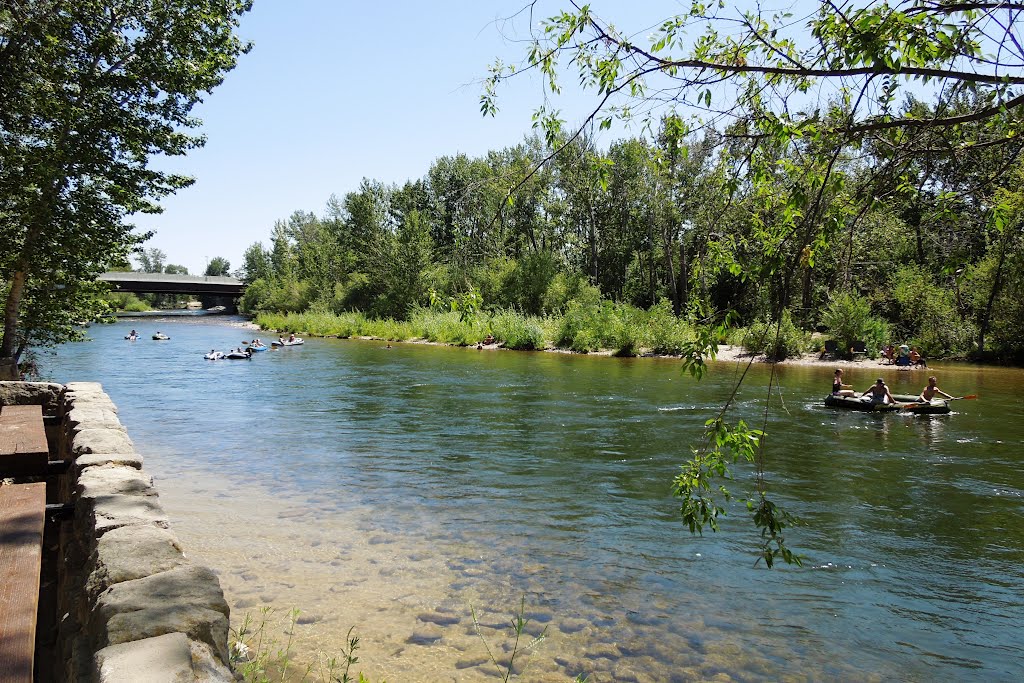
(726, 353)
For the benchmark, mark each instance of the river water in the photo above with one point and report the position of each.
(402, 490)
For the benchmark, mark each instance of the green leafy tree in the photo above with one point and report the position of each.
(151, 260)
(256, 263)
(218, 266)
(89, 91)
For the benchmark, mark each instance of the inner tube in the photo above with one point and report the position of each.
(216, 355)
(235, 355)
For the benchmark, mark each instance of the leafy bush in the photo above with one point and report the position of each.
(926, 314)
(279, 295)
(848, 319)
(626, 329)
(736, 336)
(517, 331)
(521, 284)
(126, 301)
(663, 331)
(777, 341)
(562, 289)
(592, 324)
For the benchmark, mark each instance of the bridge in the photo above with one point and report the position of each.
(165, 283)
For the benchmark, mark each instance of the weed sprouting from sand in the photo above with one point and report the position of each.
(507, 669)
(258, 657)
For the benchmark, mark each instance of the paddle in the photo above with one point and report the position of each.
(969, 397)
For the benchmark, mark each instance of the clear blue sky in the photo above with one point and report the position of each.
(335, 91)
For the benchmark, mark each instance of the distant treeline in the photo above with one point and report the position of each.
(661, 224)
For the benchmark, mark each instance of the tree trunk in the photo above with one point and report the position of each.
(9, 347)
(652, 275)
(670, 269)
(683, 282)
(997, 281)
(592, 239)
(806, 303)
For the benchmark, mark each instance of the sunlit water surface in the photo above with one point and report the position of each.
(398, 490)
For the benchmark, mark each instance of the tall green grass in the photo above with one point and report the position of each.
(516, 331)
(337, 325)
(586, 326)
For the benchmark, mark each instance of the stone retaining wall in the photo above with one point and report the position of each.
(130, 605)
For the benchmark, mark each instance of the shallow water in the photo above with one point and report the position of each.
(397, 489)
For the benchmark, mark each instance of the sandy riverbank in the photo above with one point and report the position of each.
(726, 353)
(736, 354)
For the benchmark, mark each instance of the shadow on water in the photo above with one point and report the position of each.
(383, 486)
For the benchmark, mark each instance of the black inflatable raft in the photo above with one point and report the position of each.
(864, 405)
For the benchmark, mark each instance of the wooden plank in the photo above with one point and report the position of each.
(23, 447)
(22, 514)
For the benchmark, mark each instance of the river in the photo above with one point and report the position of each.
(400, 490)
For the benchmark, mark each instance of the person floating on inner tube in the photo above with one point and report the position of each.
(929, 392)
(879, 392)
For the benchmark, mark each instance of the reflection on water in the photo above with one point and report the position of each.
(393, 489)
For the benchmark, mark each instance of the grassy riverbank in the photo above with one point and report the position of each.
(616, 328)
(613, 330)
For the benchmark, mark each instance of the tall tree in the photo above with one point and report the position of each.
(255, 263)
(218, 266)
(151, 260)
(89, 91)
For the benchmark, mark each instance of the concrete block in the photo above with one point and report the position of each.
(129, 553)
(132, 460)
(83, 387)
(112, 497)
(103, 513)
(207, 667)
(160, 659)
(187, 599)
(107, 480)
(101, 441)
(89, 416)
(30, 393)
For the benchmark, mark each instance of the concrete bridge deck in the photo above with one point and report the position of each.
(164, 283)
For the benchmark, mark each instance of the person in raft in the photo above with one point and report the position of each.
(930, 391)
(879, 393)
(840, 389)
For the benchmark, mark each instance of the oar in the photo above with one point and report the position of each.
(969, 397)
